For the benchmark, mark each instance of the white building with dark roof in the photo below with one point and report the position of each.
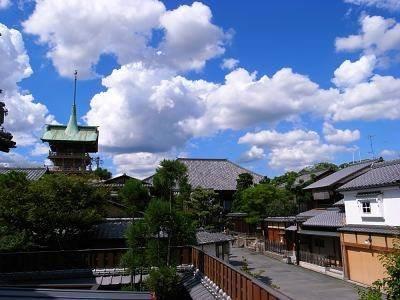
(372, 204)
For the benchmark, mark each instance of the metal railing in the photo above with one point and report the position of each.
(276, 247)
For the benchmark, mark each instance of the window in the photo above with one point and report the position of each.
(366, 207)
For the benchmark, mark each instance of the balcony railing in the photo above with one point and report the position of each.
(53, 154)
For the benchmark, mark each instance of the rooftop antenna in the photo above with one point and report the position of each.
(371, 145)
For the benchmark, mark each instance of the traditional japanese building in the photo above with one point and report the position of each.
(71, 144)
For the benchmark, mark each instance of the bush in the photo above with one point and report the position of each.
(165, 283)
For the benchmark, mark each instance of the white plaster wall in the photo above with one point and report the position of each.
(390, 210)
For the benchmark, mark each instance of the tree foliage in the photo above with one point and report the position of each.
(135, 196)
(51, 212)
(243, 182)
(102, 174)
(205, 207)
(266, 200)
(165, 283)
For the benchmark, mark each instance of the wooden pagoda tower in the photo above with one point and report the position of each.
(6, 142)
(71, 144)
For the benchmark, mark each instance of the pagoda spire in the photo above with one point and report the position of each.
(72, 127)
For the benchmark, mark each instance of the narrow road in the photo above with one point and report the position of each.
(294, 281)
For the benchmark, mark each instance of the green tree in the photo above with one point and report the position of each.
(135, 196)
(102, 174)
(286, 180)
(244, 181)
(51, 212)
(137, 236)
(265, 200)
(165, 283)
(205, 207)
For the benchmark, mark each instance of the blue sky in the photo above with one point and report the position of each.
(303, 82)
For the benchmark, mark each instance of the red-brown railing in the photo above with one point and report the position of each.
(237, 284)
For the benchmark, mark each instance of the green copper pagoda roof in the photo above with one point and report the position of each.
(60, 133)
(72, 132)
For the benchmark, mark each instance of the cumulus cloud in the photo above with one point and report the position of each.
(253, 154)
(142, 109)
(392, 5)
(351, 73)
(78, 32)
(293, 150)
(379, 98)
(4, 4)
(339, 136)
(190, 37)
(390, 154)
(140, 164)
(229, 63)
(26, 117)
(378, 35)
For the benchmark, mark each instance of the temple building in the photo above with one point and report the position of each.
(71, 144)
(6, 142)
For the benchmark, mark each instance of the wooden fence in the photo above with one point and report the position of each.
(237, 284)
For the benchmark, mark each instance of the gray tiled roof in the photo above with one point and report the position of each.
(310, 213)
(31, 173)
(205, 237)
(390, 230)
(308, 176)
(380, 174)
(216, 174)
(339, 175)
(280, 219)
(330, 218)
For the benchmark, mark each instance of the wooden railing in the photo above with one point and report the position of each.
(237, 284)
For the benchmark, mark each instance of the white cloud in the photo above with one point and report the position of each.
(140, 164)
(378, 35)
(390, 154)
(339, 136)
(142, 109)
(254, 153)
(229, 63)
(40, 149)
(379, 98)
(273, 138)
(4, 4)
(351, 73)
(78, 32)
(190, 37)
(13, 159)
(393, 5)
(26, 117)
(293, 150)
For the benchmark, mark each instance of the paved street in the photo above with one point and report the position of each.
(296, 282)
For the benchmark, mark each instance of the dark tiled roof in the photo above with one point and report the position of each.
(280, 219)
(339, 175)
(308, 176)
(31, 173)
(310, 213)
(390, 230)
(111, 229)
(330, 218)
(380, 174)
(205, 237)
(216, 174)
(236, 214)
(291, 228)
(40, 293)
